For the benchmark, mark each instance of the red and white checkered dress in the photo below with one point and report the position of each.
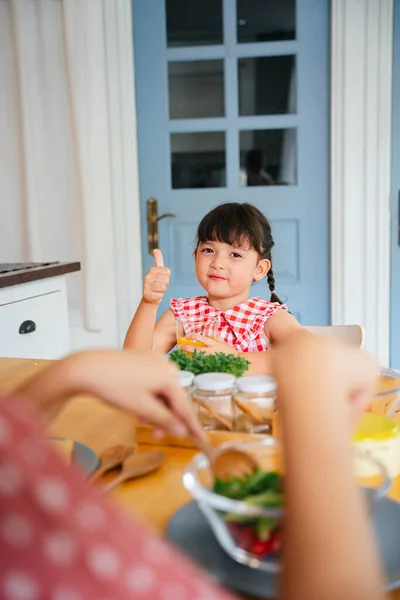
(242, 326)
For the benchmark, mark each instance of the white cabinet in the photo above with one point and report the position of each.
(34, 319)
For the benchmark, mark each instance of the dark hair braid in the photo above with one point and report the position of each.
(233, 223)
(271, 285)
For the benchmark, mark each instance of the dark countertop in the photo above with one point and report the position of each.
(34, 273)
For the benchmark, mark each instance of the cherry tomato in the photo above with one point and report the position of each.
(243, 535)
(260, 548)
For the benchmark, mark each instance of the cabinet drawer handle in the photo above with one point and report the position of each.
(27, 327)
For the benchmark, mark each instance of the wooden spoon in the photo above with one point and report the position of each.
(232, 462)
(229, 462)
(111, 458)
(247, 411)
(223, 422)
(137, 465)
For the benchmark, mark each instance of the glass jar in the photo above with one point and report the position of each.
(212, 400)
(186, 327)
(186, 381)
(254, 403)
(386, 398)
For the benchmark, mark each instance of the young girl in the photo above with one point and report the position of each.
(233, 250)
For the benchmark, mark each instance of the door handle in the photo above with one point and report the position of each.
(152, 223)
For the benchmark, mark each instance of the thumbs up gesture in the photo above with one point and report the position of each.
(156, 281)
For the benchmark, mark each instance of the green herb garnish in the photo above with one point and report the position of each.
(200, 362)
(264, 487)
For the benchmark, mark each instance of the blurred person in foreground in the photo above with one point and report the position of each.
(60, 539)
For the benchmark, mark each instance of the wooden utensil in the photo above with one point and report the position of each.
(247, 411)
(223, 422)
(229, 462)
(112, 458)
(232, 462)
(137, 465)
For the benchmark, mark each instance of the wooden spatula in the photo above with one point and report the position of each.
(137, 465)
(112, 458)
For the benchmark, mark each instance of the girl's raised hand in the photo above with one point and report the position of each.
(157, 280)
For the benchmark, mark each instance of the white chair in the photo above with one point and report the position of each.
(353, 334)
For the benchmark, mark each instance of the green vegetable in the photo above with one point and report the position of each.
(260, 481)
(263, 480)
(268, 499)
(264, 526)
(200, 362)
(231, 488)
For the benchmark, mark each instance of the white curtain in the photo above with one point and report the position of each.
(57, 167)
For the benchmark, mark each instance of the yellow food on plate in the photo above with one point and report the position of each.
(378, 436)
(65, 448)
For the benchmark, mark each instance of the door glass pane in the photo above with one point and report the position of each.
(268, 157)
(196, 89)
(198, 160)
(193, 22)
(265, 20)
(267, 85)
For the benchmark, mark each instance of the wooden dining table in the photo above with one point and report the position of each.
(152, 499)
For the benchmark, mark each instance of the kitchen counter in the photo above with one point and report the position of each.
(15, 274)
(34, 318)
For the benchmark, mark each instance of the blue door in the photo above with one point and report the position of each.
(233, 105)
(395, 267)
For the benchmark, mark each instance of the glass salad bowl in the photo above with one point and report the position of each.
(247, 516)
(386, 399)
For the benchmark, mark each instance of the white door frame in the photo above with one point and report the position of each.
(361, 97)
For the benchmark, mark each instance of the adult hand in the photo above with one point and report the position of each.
(145, 384)
(308, 360)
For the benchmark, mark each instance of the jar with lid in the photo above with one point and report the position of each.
(186, 382)
(254, 403)
(212, 400)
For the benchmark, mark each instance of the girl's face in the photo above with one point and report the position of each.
(226, 271)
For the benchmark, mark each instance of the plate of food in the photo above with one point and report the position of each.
(77, 454)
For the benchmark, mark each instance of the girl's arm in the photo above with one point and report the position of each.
(140, 333)
(164, 337)
(260, 362)
(145, 333)
(280, 325)
(329, 551)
